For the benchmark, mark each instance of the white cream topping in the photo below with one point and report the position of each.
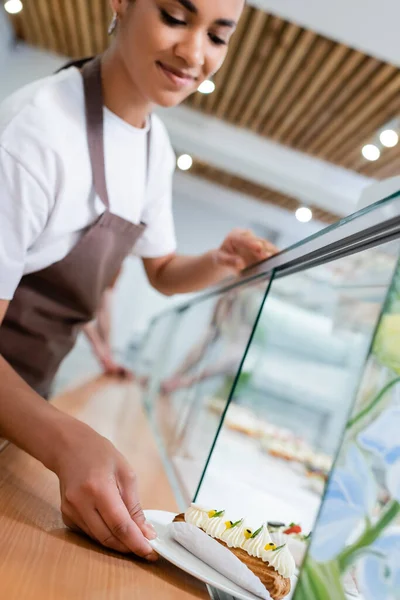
(296, 544)
(234, 536)
(197, 515)
(280, 559)
(215, 527)
(255, 546)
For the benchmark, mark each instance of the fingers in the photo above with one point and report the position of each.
(101, 513)
(101, 533)
(242, 245)
(118, 520)
(95, 528)
(228, 259)
(129, 494)
(246, 240)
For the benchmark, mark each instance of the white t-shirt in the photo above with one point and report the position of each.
(47, 198)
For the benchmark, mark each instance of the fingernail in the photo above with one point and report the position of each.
(150, 532)
(152, 557)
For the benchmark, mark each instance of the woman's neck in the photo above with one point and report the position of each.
(120, 95)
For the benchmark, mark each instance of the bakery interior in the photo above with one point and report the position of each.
(243, 393)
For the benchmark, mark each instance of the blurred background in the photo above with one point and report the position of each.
(303, 116)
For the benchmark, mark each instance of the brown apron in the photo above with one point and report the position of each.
(50, 306)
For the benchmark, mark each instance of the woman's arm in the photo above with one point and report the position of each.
(176, 274)
(98, 486)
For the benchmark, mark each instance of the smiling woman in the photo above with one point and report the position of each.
(85, 177)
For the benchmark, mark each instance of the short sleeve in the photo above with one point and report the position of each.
(23, 216)
(159, 237)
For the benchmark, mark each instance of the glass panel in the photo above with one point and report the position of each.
(356, 541)
(148, 364)
(195, 377)
(286, 418)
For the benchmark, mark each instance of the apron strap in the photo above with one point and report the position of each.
(93, 90)
(92, 85)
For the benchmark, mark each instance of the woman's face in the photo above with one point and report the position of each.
(169, 47)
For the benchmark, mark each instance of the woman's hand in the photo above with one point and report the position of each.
(99, 492)
(114, 369)
(241, 249)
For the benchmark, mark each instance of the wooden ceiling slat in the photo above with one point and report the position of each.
(247, 48)
(46, 15)
(33, 16)
(73, 33)
(298, 111)
(97, 24)
(285, 78)
(106, 19)
(107, 16)
(83, 25)
(25, 29)
(258, 61)
(383, 169)
(58, 20)
(388, 163)
(299, 84)
(272, 32)
(321, 101)
(373, 106)
(342, 95)
(350, 151)
(289, 34)
(18, 24)
(351, 102)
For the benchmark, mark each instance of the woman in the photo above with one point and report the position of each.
(80, 186)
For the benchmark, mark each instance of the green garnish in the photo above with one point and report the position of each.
(307, 537)
(218, 514)
(279, 548)
(255, 534)
(236, 523)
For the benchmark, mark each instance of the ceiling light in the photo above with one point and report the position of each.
(389, 138)
(185, 162)
(371, 152)
(13, 6)
(207, 87)
(304, 214)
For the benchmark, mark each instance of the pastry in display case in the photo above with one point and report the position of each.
(271, 388)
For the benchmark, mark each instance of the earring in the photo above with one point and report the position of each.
(113, 24)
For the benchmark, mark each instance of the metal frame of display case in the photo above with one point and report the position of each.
(371, 226)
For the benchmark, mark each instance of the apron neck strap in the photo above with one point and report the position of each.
(93, 92)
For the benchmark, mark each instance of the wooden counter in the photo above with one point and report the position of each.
(40, 559)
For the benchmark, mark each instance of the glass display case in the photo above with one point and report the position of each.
(256, 389)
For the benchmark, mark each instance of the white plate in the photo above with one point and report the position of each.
(169, 549)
